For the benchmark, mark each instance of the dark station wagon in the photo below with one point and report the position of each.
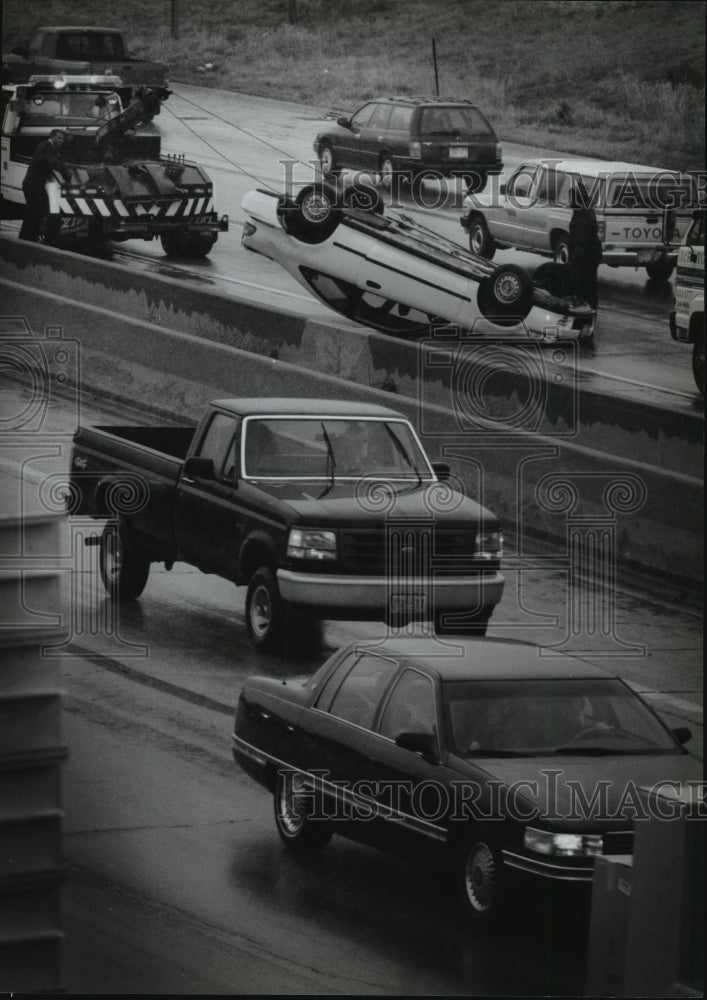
(511, 758)
(410, 137)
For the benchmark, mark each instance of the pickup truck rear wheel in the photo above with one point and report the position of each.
(506, 296)
(660, 270)
(265, 612)
(481, 241)
(561, 248)
(124, 564)
(298, 830)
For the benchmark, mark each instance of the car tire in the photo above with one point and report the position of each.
(481, 242)
(698, 363)
(199, 244)
(314, 214)
(506, 296)
(472, 625)
(480, 878)
(298, 831)
(124, 564)
(554, 278)
(327, 161)
(387, 173)
(660, 271)
(561, 248)
(171, 244)
(265, 612)
(363, 197)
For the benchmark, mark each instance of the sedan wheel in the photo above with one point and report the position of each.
(298, 830)
(481, 880)
(327, 161)
(386, 174)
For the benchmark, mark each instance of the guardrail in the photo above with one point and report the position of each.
(552, 457)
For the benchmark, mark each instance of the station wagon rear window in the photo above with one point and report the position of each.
(453, 121)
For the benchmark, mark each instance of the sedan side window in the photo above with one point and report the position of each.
(362, 116)
(361, 691)
(410, 707)
(379, 118)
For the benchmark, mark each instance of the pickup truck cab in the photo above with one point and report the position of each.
(687, 319)
(642, 212)
(322, 509)
(86, 50)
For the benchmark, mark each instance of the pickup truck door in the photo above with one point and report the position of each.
(208, 527)
(509, 222)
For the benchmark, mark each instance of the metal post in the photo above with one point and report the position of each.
(175, 18)
(434, 60)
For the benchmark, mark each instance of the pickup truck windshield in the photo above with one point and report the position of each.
(339, 448)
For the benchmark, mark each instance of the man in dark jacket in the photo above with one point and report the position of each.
(47, 158)
(584, 247)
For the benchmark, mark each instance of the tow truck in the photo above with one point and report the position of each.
(115, 183)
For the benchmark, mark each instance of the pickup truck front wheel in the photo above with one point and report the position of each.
(124, 565)
(265, 612)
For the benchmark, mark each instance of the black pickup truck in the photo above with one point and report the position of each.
(324, 509)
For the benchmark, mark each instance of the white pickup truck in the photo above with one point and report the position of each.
(687, 320)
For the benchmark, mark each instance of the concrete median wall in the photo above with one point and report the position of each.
(594, 474)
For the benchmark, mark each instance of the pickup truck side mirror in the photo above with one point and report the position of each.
(442, 471)
(197, 467)
(502, 189)
(344, 122)
(423, 743)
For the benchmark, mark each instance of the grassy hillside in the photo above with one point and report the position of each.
(615, 78)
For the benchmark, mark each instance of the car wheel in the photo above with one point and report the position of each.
(386, 173)
(481, 241)
(698, 363)
(506, 296)
(561, 248)
(327, 161)
(660, 270)
(265, 612)
(293, 806)
(124, 564)
(313, 216)
(554, 278)
(364, 197)
(480, 879)
(474, 624)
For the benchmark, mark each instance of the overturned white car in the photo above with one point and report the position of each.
(392, 274)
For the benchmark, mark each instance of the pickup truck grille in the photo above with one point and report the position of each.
(447, 551)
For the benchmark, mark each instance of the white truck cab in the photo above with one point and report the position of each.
(687, 320)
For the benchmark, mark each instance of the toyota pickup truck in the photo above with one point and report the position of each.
(84, 50)
(322, 509)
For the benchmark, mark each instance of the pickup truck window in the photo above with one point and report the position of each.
(89, 45)
(291, 448)
(521, 182)
(217, 444)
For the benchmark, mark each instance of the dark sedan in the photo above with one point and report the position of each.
(512, 757)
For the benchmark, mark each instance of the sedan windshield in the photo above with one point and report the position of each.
(332, 448)
(563, 716)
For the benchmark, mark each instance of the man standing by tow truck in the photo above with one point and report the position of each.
(46, 159)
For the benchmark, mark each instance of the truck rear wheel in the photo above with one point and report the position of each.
(187, 244)
(265, 612)
(124, 564)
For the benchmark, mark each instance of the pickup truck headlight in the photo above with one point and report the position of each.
(563, 845)
(311, 543)
(488, 544)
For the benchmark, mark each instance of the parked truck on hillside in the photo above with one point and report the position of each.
(83, 50)
(322, 509)
(115, 184)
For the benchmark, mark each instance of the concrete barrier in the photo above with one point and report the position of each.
(596, 475)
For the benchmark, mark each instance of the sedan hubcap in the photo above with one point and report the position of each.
(292, 804)
(113, 558)
(507, 288)
(316, 207)
(480, 877)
